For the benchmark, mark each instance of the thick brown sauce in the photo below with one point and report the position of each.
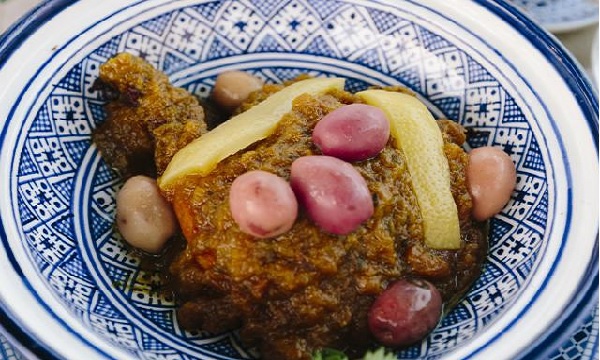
(305, 289)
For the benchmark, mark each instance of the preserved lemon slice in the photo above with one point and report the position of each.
(202, 155)
(418, 136)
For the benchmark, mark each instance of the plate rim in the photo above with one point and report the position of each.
(580, 84)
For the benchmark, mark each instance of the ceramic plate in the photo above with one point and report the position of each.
(71, 289)
(560, 16)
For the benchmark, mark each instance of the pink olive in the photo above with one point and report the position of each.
(262, 204)
(145, 218)
(232, 88)
(405, 312)
(352, 132)
(491, 178)
(333, 192)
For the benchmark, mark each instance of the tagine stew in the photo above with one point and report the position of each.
(295, 287)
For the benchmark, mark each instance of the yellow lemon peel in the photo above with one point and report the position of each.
(417, 134)
(202, 155)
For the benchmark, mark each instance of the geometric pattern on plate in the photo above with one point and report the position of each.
(66, 193)
(7, 352)
(584, 342)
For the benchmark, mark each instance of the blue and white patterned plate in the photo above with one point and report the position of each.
(560, 16)
(7, 351)
(70, 289)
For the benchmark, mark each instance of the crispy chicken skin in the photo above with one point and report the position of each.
(146, 112)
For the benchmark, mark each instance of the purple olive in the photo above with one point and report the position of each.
(262, 204)
(333, 192)
(352, 132)
(405, 312)
(492, 177)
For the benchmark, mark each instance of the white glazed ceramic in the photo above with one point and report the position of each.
(559, 16)
(69, 288)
